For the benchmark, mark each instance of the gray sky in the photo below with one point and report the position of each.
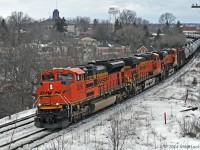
(147, 9)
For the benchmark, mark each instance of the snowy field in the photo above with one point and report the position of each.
(139, 123)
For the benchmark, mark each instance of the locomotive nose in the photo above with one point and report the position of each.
(52, 93)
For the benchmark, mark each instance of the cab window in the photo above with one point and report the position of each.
(65, 77)
(78, 77)
(48, 77)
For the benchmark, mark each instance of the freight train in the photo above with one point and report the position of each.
(66, 95)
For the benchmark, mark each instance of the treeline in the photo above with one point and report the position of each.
(28, 47)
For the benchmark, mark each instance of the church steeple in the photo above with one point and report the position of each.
(56, 13)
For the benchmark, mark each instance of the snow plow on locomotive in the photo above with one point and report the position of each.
(67, 95)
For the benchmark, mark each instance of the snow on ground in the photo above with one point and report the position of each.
(141, 125)
(17, 116)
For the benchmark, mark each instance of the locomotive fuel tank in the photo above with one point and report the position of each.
(103, 103)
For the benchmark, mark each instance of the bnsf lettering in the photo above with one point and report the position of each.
(45, 93)
(64, 91)
(58, 92)
(49, 93)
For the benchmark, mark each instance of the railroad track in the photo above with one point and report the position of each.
(38, 137)
(16, 142)
(16, 121)
(7, 130)
(12, 126)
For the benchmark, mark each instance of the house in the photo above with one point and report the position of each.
(85, 34)
(142, 50)
(110, 51)
(71, 28)
(189, 29)
(89, 41)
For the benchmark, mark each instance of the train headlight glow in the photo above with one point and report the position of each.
(39, 104)
(51, 86)
(57, 104)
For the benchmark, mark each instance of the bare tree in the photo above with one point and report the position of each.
(128, 17)
(167, 18)
(59, 143)
(119, 131)
(16, 22)
(20, 65)
(83, 23)
(20, 72)
(102, 31)
(130, 36)
(175, 40)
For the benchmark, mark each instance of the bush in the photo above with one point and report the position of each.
(194, 82)
(190, 125)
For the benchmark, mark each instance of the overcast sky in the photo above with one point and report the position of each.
(147, 9)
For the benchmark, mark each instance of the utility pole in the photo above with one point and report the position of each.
(195, 6)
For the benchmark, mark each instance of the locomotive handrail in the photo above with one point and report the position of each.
(36, 102)
(63, 97)
(68, 103)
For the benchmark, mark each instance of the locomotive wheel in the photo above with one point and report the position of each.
(85, 112)
(157, 80)
(77, 117)
(118, 98)
(125, 95)
(83, 115)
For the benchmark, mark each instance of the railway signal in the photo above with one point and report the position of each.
(195, 6)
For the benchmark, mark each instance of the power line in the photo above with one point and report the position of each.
(191, 2)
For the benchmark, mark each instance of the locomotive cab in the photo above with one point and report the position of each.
(55, 96)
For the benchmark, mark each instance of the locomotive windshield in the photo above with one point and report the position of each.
(48, 77)
(64, 77)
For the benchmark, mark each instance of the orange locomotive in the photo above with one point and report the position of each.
(69, 94)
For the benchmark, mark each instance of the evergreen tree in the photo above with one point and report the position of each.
(117, 25)
(146, 30)
(60, 25)
(95, 22)
(3, 24)
(178, 26)
(3, 30)
(158, 34)
(167, 24)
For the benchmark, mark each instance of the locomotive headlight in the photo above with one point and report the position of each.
(57, 104)
(51, 86)
(39, 104)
